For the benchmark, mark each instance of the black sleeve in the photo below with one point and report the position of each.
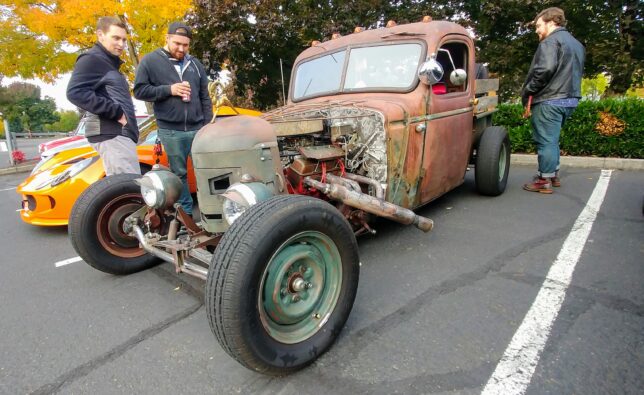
(204, 96)
(544, 66)
(80, 90)
(143, 88)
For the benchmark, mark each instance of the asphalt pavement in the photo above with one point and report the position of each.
(435, 313)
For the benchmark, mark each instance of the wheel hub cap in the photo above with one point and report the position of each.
(300, 287)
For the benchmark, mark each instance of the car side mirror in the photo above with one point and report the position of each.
(458, 77)
(430, 72)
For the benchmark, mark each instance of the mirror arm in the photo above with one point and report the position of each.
(449, 55)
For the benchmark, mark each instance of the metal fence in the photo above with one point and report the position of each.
(40, 134)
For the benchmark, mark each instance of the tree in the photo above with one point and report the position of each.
(254, 36)
(607, 28)
(68, 122)
(593, 88)
(24, 110)
(40, 35)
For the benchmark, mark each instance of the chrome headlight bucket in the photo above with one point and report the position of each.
(160, 187)
(240, 196)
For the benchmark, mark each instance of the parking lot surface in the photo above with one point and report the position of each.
(435, 313)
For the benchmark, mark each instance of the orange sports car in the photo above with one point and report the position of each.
(49, 193)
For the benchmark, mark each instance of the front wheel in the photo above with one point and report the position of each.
(282, 283)
(492, 161)
(96, 226)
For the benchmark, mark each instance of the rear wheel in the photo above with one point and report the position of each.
(282, 283)
(492, 161)
(96, 226)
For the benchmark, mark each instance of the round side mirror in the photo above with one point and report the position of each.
(458, 77)
(430, 72)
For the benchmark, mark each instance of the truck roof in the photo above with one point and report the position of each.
(426, 31)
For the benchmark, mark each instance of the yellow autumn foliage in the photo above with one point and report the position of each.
(609, 125)
(42, 39)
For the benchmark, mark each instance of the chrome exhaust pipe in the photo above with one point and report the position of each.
(371, 204)
(185, 267)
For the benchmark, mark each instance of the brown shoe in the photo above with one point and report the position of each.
(541, 185)
(555, 181)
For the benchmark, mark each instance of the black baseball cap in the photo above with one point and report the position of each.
(180, 29)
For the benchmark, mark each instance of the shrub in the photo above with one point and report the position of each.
(605, 128)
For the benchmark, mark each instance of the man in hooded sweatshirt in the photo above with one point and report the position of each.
(177, 84)
(97, 86)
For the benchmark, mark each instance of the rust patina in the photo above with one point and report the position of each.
(427, 137)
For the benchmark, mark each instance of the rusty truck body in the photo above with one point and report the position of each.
(377, 124)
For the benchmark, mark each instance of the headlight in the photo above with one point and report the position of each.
(77, 166)
(232, 210)
(160, 187)
(240, 196)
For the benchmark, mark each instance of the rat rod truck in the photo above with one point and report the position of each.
(378, 123)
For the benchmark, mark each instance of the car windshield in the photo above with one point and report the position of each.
(80, 130)
(373, 68)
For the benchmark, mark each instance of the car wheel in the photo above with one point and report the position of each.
(492, 161)
(96, 226)
(282, 283)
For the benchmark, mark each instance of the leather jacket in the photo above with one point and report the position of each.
(556, 69)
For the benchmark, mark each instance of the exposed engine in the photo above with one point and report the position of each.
(330, 140)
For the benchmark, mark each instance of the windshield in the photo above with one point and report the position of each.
(373, 68)
(319, 75)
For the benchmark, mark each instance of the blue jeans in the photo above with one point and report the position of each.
(547, 121)
(177, 145)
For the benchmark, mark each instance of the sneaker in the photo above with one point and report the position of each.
(556, 181)
(540, 185)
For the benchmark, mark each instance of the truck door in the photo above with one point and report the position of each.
(448, 133)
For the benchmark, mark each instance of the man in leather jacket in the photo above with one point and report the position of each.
(97, 86)
(551, 92)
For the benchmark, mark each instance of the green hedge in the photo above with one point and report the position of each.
(579, 136)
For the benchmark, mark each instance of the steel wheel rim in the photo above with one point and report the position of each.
(502, 162)
(109, 226)
(300, 287)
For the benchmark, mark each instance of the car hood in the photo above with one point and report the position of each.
(393, 106)
(59, 157)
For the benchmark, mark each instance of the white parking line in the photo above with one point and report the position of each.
(8, 189)
(68, 261)
(514, 372)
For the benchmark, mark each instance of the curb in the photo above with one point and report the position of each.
(516, 159)
(18, 168)
(584, 162)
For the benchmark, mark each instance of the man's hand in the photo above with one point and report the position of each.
(526, 112)
(180, 89)
(123, 120)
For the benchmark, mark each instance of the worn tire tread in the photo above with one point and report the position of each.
(487, 161)
(220, 309)
(80, 226)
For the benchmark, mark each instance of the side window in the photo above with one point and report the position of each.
(452, 56)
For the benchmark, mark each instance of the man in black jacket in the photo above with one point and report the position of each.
(97, 86)
(177, 84)
(551, 92)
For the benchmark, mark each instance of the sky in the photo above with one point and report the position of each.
(57, 91)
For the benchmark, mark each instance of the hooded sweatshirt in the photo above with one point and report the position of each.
(156, 72)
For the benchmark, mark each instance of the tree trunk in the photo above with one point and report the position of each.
(621, 75)
(134, 57)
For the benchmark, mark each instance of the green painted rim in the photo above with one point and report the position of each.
(300, 287)
(502, 161)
